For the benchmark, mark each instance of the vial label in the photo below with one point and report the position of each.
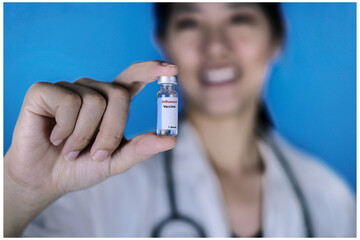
(167, 118)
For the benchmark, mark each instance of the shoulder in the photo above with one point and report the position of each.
(331, 202)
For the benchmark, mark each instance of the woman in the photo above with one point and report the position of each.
(230, 174)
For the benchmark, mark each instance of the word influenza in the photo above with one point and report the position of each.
(166, 101)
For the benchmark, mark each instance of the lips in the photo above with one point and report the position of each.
(218, 76)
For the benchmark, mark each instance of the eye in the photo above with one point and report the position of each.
(239, 19)
(187, 23)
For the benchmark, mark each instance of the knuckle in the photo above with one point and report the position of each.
(120, 94)
(38, 85)
(95, 100)
(66, 129)
(132, 67)
(112, 138)
(83, 80)
(81, 139)
(151, 63)
(62, 82)
(136, 63)
(72, 100)
(155, 62)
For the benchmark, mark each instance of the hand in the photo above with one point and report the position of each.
(69, 136)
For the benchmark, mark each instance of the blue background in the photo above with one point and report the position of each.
(311, 92)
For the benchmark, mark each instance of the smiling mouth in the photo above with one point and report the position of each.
(219, 76)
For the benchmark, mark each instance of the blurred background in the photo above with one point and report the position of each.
(311, 91)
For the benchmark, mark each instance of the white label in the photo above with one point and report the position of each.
(167, 113)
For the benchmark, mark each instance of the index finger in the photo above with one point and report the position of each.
(135, 77)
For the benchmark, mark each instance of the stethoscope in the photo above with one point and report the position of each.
(176, 220)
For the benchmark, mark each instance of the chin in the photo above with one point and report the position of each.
(219, 110)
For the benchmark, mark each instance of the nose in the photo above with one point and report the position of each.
(215, 45)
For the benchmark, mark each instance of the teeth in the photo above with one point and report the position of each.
(220, 75)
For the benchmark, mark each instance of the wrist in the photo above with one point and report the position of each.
(21, 203)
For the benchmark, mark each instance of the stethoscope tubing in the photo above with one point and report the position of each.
(295, 184)
(174, 214)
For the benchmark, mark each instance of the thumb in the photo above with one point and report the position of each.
(139, 149)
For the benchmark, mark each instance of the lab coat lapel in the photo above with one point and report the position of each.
(193, 169)
(282, 215)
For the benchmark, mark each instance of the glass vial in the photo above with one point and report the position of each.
(167, 107)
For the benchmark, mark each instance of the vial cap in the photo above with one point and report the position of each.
(167, 79)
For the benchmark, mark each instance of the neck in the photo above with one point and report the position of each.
(229, 142)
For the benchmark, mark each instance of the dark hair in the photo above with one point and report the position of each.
(272, 12)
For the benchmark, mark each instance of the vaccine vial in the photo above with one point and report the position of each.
(167, 107)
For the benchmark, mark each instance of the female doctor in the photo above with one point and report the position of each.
(228, 173)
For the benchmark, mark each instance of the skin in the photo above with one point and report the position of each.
(62, 118)
(207, 36)
(65, 138)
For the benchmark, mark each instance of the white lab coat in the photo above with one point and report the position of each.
(130, 204)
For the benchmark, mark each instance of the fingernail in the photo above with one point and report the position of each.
(72, 155)
(101, 155)
(57, 142)
(165, 64)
